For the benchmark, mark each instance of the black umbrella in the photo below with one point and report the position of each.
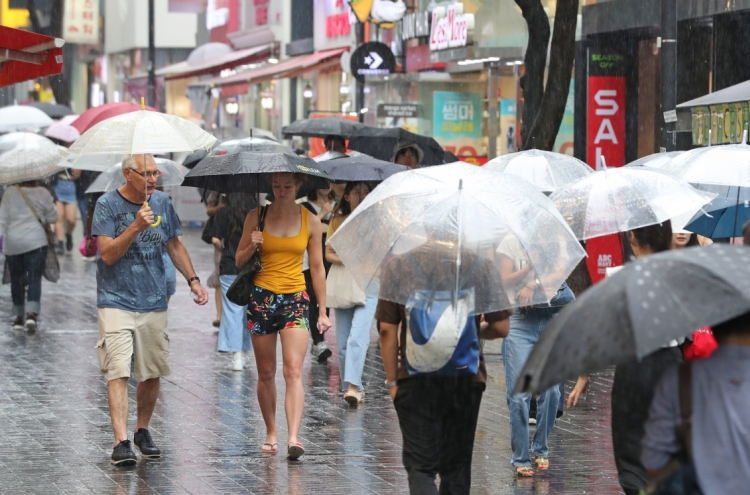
(53, 110)
(326, 126)
(253, 144)
(638, 310)
(360, 168)
(382, 143)
(251, 172)
(193, 158)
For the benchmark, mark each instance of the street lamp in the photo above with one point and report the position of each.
(232, 107)
(307, 92)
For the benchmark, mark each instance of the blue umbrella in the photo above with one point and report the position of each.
(725, 215)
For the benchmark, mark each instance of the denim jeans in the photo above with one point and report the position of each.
(233, 333)
(352, 340)
(26, 270)
(525, 330)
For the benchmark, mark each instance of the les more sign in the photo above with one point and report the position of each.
(451, 28)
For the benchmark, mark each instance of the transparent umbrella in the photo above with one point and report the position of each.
(546, 170)
(454, 217)
(656, 160)
(23, 118)
(26, 140)
(25, 164)
(93, 163)
(172, 174)
(256, 144)
(622, 199)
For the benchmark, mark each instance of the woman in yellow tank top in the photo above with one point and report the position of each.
(279, 303)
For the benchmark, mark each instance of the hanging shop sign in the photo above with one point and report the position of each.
(333, 22)
(81, 22)
(451, 27)
(416, 25)
(372, 59)
(405, 110)
(606, 110)
(457, 115)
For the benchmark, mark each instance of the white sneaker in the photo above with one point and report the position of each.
(238, 362)
(320, 351)
(532, 421)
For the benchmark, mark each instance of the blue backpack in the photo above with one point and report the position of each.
(441, 337)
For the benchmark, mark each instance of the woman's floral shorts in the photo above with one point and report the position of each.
(268, 313)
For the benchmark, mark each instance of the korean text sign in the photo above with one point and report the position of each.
(456, 115)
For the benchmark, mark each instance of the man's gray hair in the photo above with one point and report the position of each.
(128, 161)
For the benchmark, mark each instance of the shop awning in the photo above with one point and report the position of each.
(238, 83)
(228, 61)
(25, 55)
(733, 94)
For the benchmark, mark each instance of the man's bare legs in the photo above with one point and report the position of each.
(117, 393)
(264, 347)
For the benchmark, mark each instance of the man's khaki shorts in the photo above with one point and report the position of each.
(141, 336)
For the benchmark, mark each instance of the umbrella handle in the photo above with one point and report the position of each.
(158, 219)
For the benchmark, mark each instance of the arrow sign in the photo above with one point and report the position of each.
(376, 60)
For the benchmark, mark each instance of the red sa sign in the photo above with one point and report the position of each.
(606, 122)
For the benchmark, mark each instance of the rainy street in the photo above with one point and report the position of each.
(58, 435)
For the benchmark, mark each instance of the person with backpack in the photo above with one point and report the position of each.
(354, 312)
(437, 410)
(698, 427)
(226, 234)
(526, 326)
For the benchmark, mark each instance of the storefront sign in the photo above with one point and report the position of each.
(332, 23)
(372, 59)
(262, 13)
(451, 28)
(406, 110)
(338, 25)
(456, 115)
(415, 25)
(81, 22)
(606, 109)
(603, 252)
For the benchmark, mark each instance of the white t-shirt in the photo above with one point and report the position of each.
(511, 247)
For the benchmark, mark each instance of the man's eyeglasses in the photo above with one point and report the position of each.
(147, 175)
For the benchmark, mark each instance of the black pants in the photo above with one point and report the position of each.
(26, 270)
(313, 316)
(632, 391)
(438, 419)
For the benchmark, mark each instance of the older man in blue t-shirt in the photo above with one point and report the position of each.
(132, 297)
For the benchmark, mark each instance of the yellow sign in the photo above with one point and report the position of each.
(13, 18)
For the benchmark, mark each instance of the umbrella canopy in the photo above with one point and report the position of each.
(142, 132)
(547, 171)
(23, 118)
(727, 165)
(656, 160)
(94, 115)
(251, 172)
(25, 164)
(253, 144)
(54, 110)
(452, 209)
(27, 140)
(639, 309)
(326, 126)
(617, 200)
(382, 144)
(93, 163)
(172, 174)
(62, 130)
(360, 168)
(329, 155)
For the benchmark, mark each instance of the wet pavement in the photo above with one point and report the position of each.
(58, 436)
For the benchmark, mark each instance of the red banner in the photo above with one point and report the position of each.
(604, 252)
(606, 121)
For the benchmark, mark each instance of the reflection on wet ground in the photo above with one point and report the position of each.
(58, 437)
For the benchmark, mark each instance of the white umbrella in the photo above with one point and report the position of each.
(62, 129)
(655, 160)
(93, 163)
(23, 118)
(21, 165)
(457, 212)
(172, 174)
(621, 199)
(27, 140)
(547, 171)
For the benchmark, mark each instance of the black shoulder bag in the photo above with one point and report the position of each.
(242, 287)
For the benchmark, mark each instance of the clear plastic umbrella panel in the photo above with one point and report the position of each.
(22, 164)
(450, 220)
(171, 174)
(546, 170)
(617, 200)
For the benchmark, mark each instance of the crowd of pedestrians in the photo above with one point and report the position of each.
(303, 278)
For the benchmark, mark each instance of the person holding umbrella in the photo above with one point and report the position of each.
(132, 297)
(335, 143)
(279, 304)
(408, 154)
